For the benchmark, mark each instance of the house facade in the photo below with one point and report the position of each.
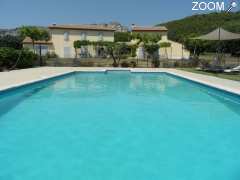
(63, 37)
(46, 46)
(175, 51)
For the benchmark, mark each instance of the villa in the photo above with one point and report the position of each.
(63, 37)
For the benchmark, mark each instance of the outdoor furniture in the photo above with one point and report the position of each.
(215, 69)
(233, 70)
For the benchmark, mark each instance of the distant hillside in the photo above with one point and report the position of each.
(12, 32)
(201, 24)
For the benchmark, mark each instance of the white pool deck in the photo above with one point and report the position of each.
(18, 78)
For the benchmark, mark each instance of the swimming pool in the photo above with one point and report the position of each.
(119, 125)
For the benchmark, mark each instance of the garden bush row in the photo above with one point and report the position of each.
(9, 57)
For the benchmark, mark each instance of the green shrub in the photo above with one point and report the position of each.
(51, 55)
(204, 62)
(165, 44)
(79, 44)
(11, 41)
(115, 64)
(27, 60)
(155, 63)
(125, 64)
(194, 62)
(177, 64)
(133, 64)
(10, 56)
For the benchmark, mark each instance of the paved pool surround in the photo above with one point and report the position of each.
(17, 78)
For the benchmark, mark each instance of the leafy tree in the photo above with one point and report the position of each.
(154, 38)
(122, 36)
(146, 38)
(79, 44)
(150, 45)
(196, 47)
(31, 32)
(136, 36)
(116, 51)
(42, 36)
(11, 41)
(152, 49)
(36, 34)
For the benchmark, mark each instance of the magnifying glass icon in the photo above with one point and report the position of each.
(232, 5)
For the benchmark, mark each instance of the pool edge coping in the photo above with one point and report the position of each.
(209, 84)
(44, 78)
(25, 83)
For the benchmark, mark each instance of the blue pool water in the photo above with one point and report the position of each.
(119, 126)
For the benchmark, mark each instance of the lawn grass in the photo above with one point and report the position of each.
(235, 77)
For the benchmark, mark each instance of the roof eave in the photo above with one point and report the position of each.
(163, 30)
(37, 42)
(88, 29)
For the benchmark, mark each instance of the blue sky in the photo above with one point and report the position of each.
(44, 12)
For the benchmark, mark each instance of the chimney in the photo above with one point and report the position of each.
(132, 26)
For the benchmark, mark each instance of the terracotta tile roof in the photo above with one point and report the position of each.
(83, 27)
(28, 40)
(149, 29)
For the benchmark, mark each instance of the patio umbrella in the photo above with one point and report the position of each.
(219, 35)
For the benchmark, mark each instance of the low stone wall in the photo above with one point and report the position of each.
(84, 62)
(98, 62)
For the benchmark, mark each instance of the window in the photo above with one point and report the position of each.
(83, 36)
(100, 36)
(66, 36)
(44, 49)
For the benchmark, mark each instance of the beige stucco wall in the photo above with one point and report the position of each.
(176, 51)
(59, 43)
(28, 46)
